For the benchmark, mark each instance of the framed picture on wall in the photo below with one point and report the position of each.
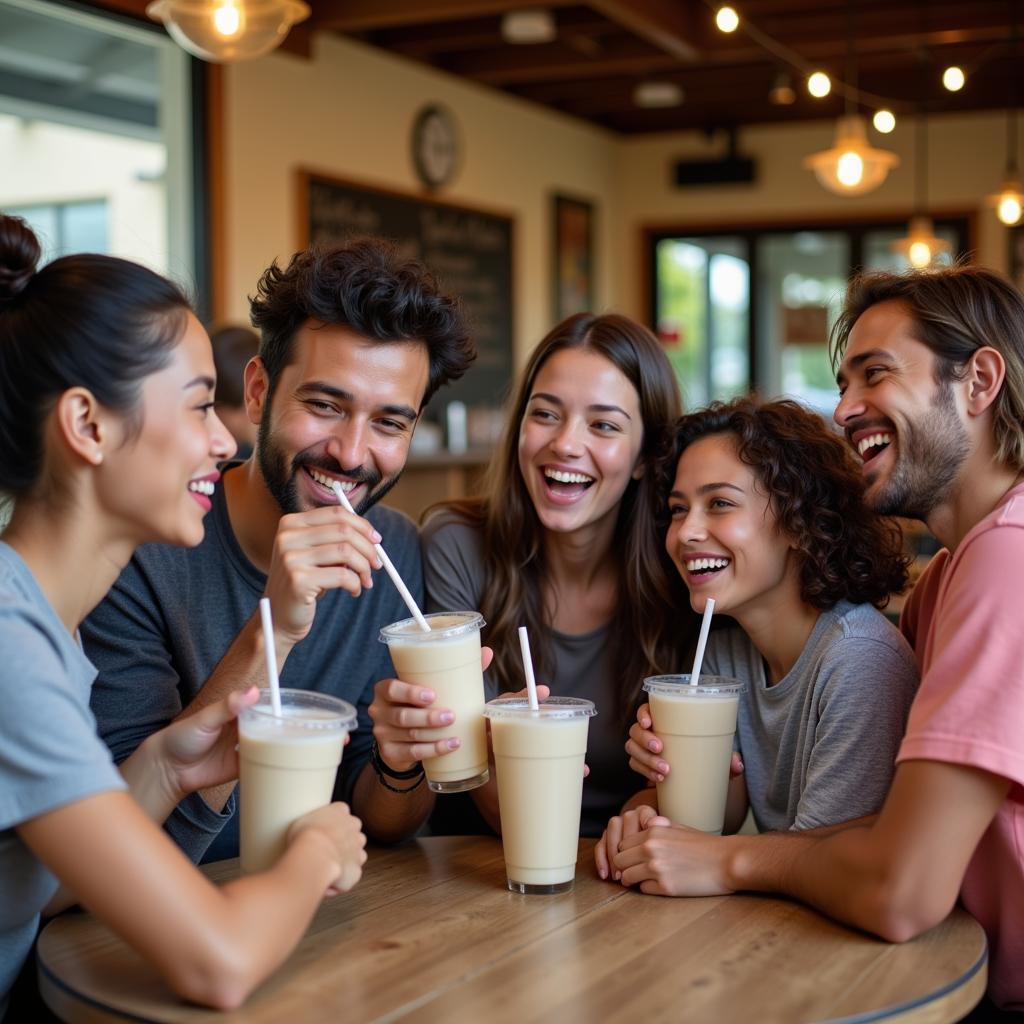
(1016, 260)
(573, 257)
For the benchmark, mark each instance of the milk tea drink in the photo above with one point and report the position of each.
(538, 758)
(287, 767)
(447, 661)
(696, 724)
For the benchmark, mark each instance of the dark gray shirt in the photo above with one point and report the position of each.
(453, 568)
(819, 746)
(173, 613)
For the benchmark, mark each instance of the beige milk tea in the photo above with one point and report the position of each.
(447, 661)
(696, 725)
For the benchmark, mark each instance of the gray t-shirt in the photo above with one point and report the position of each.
(819, 746)
(50, 754)
(173, 613)
(453, 569)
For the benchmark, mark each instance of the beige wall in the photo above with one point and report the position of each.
(348, 113)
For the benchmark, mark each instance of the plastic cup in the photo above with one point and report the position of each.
(447, 661)
(538, 758)
(287, 767)
(696, 725)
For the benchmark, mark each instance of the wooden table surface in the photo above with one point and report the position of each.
(432, 934)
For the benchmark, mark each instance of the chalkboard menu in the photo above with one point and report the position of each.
(469, 251)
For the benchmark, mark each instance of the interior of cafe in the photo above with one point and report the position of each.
(649, 158)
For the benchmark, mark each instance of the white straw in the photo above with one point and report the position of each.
(702, 640)
(270, 650)
(399, 583)
(531, 683)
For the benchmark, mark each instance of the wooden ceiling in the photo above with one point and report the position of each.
(605, 48)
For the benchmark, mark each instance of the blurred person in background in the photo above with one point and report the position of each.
(233, 347)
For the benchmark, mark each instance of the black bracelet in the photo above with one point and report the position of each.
(394, 789)
(382, 768)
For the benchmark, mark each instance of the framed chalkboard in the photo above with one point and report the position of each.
(468, 250)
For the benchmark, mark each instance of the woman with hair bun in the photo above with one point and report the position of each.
(108, 439)
(765, 514)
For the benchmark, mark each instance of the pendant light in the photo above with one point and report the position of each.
(852, 166)
(1009, 200)
(223, 31)
(921, 245)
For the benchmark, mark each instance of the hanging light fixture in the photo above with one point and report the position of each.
(852, 166)
(921, 245)
(1009, 200)
(223, 31)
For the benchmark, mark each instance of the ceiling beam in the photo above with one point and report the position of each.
(367, 15)
(667, 24)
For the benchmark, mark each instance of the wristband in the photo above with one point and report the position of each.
(382, 768)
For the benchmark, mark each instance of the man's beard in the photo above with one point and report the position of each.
(929, 455)
(281, 477)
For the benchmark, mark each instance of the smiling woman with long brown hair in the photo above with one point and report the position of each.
(564, 540)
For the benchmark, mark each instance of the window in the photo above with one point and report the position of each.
(752, 310)
(96, 117)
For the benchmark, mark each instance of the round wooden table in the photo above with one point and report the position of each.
(432, 934)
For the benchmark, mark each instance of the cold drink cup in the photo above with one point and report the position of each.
(447, 661)
(287, 767)
(696, 725)
(538, 758)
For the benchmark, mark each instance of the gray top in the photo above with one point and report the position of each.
(453, 570)
(173, 613)
(819, 747)
(50, 754)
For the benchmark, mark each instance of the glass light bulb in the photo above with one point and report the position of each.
(227, 19)
(920, 254)
(849, 169)
(727, 19)
(884, 121)
(953, 78)
(1009, 209)
(819, 84)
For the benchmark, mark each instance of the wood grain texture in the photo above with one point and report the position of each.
(432, 934)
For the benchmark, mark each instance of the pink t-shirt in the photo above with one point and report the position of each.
(965, 621)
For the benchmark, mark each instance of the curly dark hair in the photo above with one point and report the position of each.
(367, 285)
(816, 491)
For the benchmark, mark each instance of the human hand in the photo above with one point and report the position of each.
(644, 748)
(343, 831)
(622, 825)
(200, 750)
(672, 860)
(324, 549)
(403, 716)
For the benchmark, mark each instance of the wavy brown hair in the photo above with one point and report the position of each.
(652, 628)
(817, 494)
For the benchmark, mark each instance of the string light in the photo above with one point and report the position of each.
(727, 19)
(819, 85)
(884, 121)
(953, 78)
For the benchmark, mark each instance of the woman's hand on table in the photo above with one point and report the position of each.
(402, 712)
(672, 860)
(622, 825)
(343, 832)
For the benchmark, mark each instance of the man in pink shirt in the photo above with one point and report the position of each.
(931, 382)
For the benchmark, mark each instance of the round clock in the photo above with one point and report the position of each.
(435, 146)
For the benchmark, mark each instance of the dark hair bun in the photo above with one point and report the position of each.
(19, 254)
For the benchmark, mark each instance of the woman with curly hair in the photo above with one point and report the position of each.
(565, 542)
(767, 517)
